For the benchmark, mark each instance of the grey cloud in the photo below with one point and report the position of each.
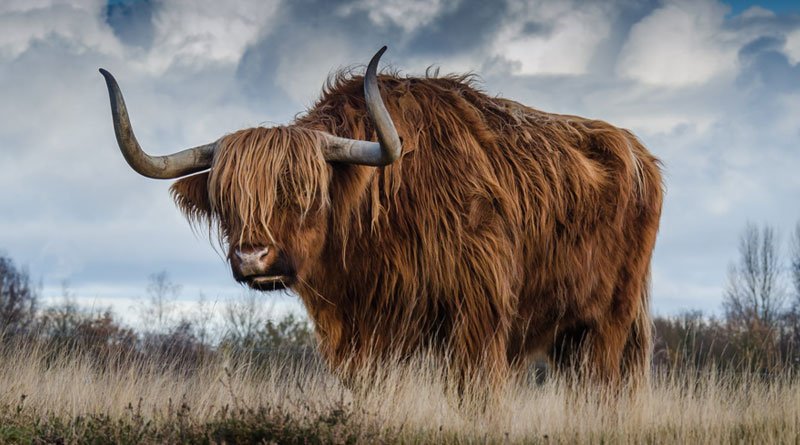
(466, 28)
(257, 71)
(132, 21)
(764, 23)
(765, 64)
(537, 28)
(628, 14)
(256, 74)
(456, 30)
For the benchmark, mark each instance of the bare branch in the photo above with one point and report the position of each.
(754, 297)
(794, 264)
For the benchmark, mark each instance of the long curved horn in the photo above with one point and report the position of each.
(171, 166)
(388, 147)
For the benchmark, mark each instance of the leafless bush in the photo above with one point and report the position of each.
(18, 299)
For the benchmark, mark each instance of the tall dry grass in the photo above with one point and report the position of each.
(46, 393)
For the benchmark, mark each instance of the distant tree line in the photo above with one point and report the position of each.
(179, 340)
(758, 329)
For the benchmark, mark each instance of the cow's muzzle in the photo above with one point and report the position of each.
(262, 268)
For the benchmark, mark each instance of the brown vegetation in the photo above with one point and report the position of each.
(67, 398)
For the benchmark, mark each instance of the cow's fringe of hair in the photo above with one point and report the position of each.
(290, 174)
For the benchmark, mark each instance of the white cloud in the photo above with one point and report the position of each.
(20, 6)
(792, 47)
(407, 14)
(302, 71)
(201, 32)
(570, 36)
(659, 121)
(756, 12)
(788, 105)
(682, 43)
(76, 23)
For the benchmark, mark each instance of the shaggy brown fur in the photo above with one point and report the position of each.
(501, 231)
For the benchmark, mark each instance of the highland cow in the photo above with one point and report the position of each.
(429, 216)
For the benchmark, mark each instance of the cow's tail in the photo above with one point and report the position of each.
(638, 352)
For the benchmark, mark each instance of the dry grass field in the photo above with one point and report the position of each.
(51, 398)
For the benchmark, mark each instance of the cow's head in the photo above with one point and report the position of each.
(266, 189)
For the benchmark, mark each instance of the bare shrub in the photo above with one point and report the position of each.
(18, 299)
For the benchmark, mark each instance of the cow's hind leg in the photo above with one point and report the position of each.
(590, 353)
(637, 355)
(565, 353)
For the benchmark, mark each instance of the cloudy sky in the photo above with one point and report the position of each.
(712, 88)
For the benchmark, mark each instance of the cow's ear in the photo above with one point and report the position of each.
(191, 196)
